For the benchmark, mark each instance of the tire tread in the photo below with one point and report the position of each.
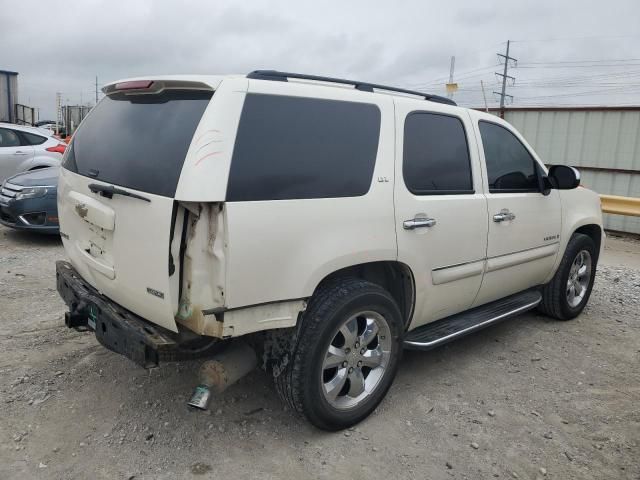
(290, 383)
(552, 292)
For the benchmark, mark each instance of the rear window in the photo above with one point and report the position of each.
(33, 139)
(138, 141)
(296, 147)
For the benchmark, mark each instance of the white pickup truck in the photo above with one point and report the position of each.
(330, 223)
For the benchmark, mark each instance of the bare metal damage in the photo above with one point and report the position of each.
(203, 269)
(203, 283)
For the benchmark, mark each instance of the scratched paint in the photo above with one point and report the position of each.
(211, 154)
(203, 152)
(205, 133)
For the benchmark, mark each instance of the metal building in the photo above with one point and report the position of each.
(8, 95)
(602, 142)
(72, 115)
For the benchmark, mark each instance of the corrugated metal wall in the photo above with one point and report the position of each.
(72, 115)
(600, 139)
(8, 95)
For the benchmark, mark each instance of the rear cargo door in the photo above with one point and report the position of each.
(116, 197)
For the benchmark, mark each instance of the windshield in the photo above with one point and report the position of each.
(138, 141)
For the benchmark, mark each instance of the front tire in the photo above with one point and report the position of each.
(566, 295)
(346, 356)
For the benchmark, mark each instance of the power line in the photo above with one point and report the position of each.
(613, 75)
(464, 55)
(574, 38)
(585, 61)
(459, 76)
(555, 79)
(615, 91)
(529, 86)
(615, 65)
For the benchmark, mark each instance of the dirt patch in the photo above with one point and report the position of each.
(529, 398)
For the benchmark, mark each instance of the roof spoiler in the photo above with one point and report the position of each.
(153, 86)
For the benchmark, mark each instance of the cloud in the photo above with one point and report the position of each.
(405, 43)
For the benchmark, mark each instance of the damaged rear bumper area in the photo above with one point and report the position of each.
(115, 327)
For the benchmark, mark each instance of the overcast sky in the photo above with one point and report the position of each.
(62, 46)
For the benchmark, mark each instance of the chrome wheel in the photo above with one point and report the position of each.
(579, 278)
(356, 360)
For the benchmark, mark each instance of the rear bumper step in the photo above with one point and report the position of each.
(447, 329)
(115, 327)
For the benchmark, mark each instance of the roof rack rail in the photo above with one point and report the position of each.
(277, 76)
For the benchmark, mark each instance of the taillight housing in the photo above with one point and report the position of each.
(60, 148)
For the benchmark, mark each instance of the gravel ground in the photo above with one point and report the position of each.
(530, 398)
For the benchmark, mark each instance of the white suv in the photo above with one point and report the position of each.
(331, 223)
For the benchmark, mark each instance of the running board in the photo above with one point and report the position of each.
(447, 329)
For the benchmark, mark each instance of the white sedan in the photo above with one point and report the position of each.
(25, 148)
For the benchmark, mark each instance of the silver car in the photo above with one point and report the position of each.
(25, 148)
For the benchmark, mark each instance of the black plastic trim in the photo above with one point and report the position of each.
(515, 190)
(420, 192)
(108, 191)
(444, 267)
(434, 334)
(115, 327)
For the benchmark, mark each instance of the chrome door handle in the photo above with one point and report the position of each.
(504, 215)
(418, 222)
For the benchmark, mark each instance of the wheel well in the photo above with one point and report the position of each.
(395, 277)
(593, 231)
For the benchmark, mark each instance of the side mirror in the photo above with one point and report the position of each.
(563, 177)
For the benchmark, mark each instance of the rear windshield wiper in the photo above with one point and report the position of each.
(109, 191)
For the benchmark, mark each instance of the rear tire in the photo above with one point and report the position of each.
(346, 356)
(566, 295)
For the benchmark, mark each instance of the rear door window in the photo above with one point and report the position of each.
(436, 155)
(296, 147)
(9, 138)
(138, 141)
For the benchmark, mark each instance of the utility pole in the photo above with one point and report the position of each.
(504, 76)
(451, 87)
(96, 89)
(484, 95)
(58, 111)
